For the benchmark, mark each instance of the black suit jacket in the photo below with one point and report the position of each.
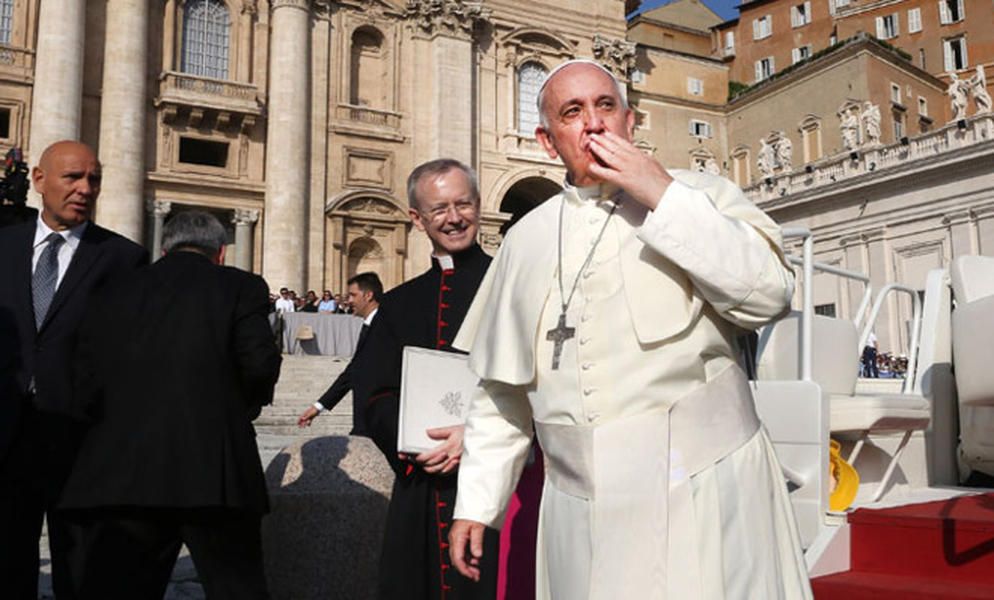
(174, 362)
(45, 354)
(343, 384)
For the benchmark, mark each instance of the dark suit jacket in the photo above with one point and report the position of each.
(45, 354)
(174, 362)
(343, 384)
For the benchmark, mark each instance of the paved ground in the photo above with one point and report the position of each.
(302, 380)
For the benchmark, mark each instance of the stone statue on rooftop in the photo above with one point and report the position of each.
(784, 149)
(766, 158)
(957, 96)
(871, 123)
(978, 89)
(849, 128)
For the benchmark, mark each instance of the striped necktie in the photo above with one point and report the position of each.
(46, 276)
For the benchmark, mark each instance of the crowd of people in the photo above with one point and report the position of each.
(603, 334)
(288, 301)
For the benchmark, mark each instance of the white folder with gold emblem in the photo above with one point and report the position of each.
(435, 389)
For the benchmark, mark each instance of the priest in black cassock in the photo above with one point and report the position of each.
(426, 312)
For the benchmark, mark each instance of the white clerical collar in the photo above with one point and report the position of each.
(598, 193)
(445, 261)
(72, 235)
(369, 318)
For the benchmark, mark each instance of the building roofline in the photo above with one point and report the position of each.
(648, 20)
(832, 54)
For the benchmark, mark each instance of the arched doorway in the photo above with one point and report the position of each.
(365, 230)
(525, 195)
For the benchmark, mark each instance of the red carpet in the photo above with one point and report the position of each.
(937, 550)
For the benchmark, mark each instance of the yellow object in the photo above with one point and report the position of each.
(845, 480)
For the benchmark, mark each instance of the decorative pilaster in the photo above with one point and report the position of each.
(122, 117)
(159, 210)
(287, 145)
(57, 97)
(244, 220)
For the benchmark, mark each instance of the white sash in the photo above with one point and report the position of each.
(634, 475)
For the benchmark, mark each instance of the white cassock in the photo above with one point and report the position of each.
(660, 481)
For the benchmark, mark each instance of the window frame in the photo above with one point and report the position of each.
(761, 74)
(195, 58)
(520, 100)
(762, 27)
(948, 55)
(914, 20)
(700, 129)
(800, 14)
(888, 33)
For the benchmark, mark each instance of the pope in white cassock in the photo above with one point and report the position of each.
(608, 323)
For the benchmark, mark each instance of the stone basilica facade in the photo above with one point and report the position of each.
(296, 121)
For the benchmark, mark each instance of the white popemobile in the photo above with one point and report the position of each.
(905, 527)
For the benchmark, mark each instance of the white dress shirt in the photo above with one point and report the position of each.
(66, 251)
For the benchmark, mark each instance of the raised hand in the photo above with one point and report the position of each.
(620, 163)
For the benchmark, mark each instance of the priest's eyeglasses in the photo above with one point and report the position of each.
(439, 212)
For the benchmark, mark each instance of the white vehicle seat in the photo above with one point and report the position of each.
(834, 367)
(972, 281)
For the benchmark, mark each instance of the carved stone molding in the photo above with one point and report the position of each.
(301, 4)
(617, 55)
(245, 216)
(455, 18)
(250, 7)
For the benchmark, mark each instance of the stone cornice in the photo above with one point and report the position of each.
(451, 18)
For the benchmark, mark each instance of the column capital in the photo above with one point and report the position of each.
(158, 208)
(617, 55)
(454, 18)
(245, 216)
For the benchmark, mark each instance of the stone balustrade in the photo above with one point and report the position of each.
(975, 130)
(368, 116)
(183, 88)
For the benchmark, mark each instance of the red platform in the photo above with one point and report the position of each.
(936, 550)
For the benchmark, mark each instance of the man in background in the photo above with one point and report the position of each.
(174, 362)
(365, 293)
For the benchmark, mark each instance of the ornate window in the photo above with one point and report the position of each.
(6, 20)
(206, 38)
(530, 78)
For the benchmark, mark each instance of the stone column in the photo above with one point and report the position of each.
(287, 145)
(57, 97)
(448, 28)
(244, 220)
(160, 210)
(122, 117)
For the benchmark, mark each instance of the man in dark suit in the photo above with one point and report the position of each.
(365, 291)
(48, 268)
(174, 362)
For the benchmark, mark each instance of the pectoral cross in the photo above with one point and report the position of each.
(560, 334)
